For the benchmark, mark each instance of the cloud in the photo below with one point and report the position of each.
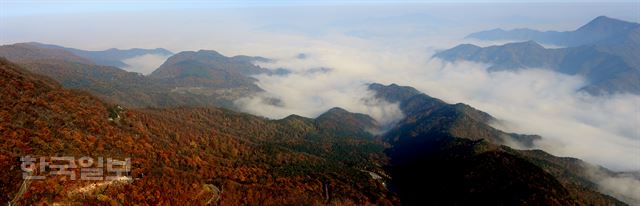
(311, 94)
(144, 64)
(599, 129)
(623, 186)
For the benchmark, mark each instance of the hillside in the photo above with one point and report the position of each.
(199, 155)
(344, 123)
(600, 30)
(21, 52)
(425, 114)
(447, 154)
(110, 57)
(205, 62)
(604, 71)
(178, 155)
(207, 71)
(604, 51)
(131, 89)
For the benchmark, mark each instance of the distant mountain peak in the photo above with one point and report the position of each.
(599, 30)
(294, 116)
(163, 50)
(31, 51)
(607, 24)
(337, 110)
(407, 89)
(212, 70)
(605, 51)
(111, 57)
(466, 47)
(393, 92)
(604, 20)
(506, 51)
(344, 123)
(34, 43)
(524, 45)
(209, 52)
(530, 42)
(199, 56)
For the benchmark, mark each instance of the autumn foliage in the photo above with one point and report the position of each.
(181, 156)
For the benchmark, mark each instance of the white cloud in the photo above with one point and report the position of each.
(602, 130)
(144, 64)
(312, 94)
(623, 186)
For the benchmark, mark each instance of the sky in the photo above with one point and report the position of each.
(364, 42)
(32, 7)
(104, 24)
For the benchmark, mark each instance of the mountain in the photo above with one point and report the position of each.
(521, 34)
(110, 57)
(224, 80)
(604, 34)
(605, 72)
(109, 83)
(597, 31)
(21, 52)
(447, 154)
(206, 63)
(601, 30)
(425, 114)
(626, 46)
(75, 72)
(504, 57)
(344, 123)
(210, 74)
(206, 68)
(191, 156)
(438, 153)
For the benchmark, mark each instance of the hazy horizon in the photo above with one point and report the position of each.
(221, 26)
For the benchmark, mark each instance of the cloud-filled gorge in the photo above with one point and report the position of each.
(144, 64)
(599, 129)
(602, 130)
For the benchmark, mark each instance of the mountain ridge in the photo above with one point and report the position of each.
(110, 57)
(451, 153)
(599, 29)
(604, 71)
(178, 155)
(179, 152)
(213, 84)
(22, 52)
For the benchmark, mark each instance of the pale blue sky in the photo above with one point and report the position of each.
(189, 25)
(31, 7)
